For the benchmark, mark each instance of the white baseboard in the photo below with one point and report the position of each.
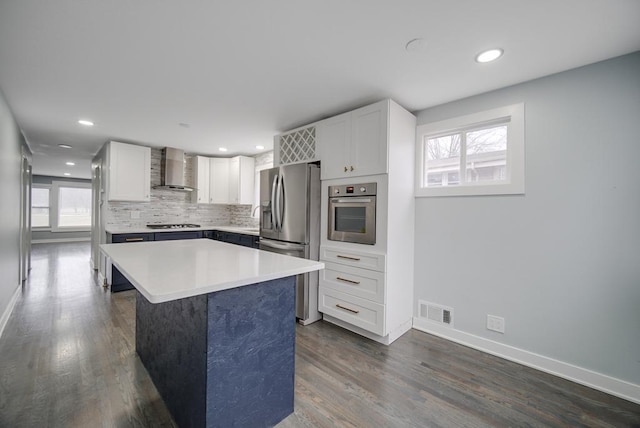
(601, 382)
(385, 340)
(58, 240)
(101, 279)
(7, 312)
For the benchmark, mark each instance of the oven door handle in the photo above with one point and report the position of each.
(350, 200)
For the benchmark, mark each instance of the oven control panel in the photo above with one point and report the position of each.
(363, 189)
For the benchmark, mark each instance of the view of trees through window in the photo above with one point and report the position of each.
(74, 207)
(60, 206)
(485, 157)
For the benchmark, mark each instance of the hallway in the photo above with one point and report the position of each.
(67, 356)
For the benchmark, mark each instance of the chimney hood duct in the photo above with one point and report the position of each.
(172, 170)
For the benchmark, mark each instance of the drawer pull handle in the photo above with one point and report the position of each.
(134, 239)
(350, 281)
(347, 309)
(348, 257)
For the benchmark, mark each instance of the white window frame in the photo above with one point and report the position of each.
(55, 195)
(42, 186)
(513, 184)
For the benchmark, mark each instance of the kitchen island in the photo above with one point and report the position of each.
(215, 328)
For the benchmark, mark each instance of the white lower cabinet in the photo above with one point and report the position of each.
(352, 288)
(362, 313)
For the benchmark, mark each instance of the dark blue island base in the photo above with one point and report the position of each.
(223, 359)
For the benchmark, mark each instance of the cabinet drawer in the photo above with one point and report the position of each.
(172, 236)
(363, 283)
(360, 259)
(351, 309)
(131, 237)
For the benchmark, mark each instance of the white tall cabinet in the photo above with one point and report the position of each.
(368, 289)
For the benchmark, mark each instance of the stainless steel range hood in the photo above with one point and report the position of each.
(172, 170)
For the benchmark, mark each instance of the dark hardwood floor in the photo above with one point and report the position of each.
(67, 359)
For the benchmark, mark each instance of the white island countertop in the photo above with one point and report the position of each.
(169, 270)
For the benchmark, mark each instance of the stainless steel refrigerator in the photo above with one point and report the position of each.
(290, 225)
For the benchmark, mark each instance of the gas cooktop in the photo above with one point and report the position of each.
(172, 226)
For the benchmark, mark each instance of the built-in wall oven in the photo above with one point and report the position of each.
(352, 213)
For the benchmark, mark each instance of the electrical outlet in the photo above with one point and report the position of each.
(495, 323)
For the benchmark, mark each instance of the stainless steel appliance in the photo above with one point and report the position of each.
(352, 213)
(290, 225)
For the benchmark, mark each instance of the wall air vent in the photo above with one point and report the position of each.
(436, 313)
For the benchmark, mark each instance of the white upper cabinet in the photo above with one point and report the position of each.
(129, 172)
(201, 180)
(219, 181)
(241, 180)
(231, 180)
(356, 143)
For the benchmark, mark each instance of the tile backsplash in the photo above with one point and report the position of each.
(171, 206)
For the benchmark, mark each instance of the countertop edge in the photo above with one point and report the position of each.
(235, 229)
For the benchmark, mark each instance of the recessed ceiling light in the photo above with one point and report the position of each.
(85, 122)
(490, 55)
(416, 45)
(70, 163)
(65, 146)
(260, 147)
(67, 173)
(223, 149)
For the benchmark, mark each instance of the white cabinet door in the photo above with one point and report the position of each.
(201, 180)
(219, 181)
(368, 149)
(241, 180)
(234, 180)
(129, 172)
(334, 138)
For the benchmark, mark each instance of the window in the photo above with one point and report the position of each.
(63, 206)
(40, 206)
(478, 154)
(72, 202)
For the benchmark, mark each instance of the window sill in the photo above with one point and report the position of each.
(70, 229)
(471, 190)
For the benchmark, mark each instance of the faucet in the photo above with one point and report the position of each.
(253, 213)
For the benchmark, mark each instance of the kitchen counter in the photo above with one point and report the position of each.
(143, 229)
(215, 328)
(170, 270)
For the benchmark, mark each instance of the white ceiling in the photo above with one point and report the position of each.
(239, 72)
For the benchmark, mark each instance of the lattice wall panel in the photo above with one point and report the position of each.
(298, 146)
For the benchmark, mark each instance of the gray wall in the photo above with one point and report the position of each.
(11, 142)
(48, 235)
(562, 262)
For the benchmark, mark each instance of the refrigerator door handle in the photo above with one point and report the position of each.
(274, 207)
(281, 201)
(282, 245)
